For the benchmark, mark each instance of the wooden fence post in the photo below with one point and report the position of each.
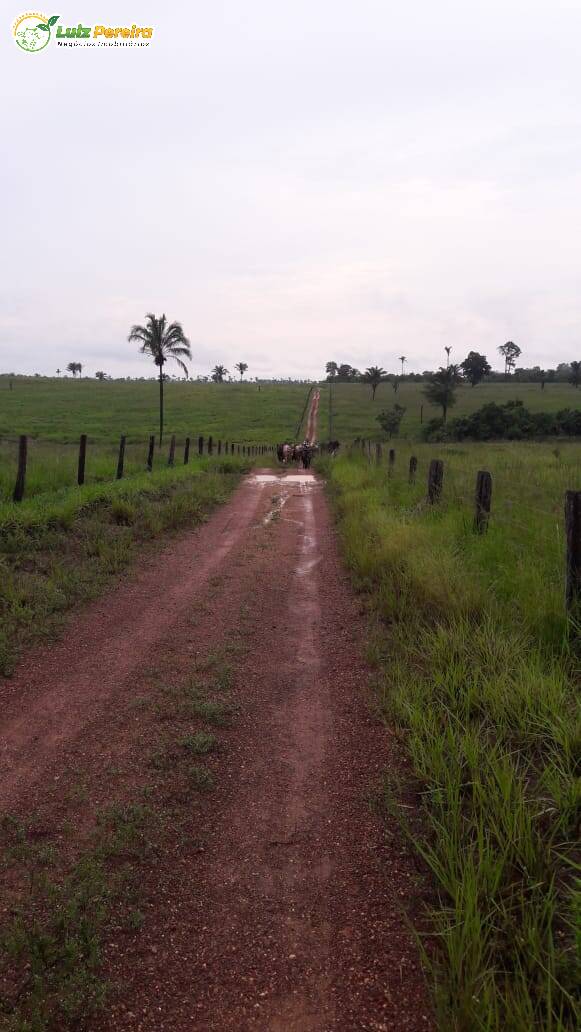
(150, 452)
(421, 413)
(82, 458)
(435, 478)
(210, 445)
(219, 447)
(413, 469)
(573, 535)
(200, 445)
(483, 499)
(378, 452)
(121, 459)
(172, 450)
(21, 474)
(391, 464)
(225, 447)
(187, 451)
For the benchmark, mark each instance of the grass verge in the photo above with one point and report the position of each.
(480, 675)
(59, 550)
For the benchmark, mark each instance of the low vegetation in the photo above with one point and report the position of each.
(478, 669)
(511, 421)
(59, 549)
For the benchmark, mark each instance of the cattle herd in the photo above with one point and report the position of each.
(303, 453)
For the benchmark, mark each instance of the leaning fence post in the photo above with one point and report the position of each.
(121, 459)
(172, 450)
(187, 451)
(82, 457)
(21, 474)
(573, 536)
(435, 478)
(413, 469)
(150, 452)
(200, 445)
(483, 499)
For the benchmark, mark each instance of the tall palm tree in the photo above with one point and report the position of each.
(218, 373)
(448, 350)
(373, 376)
(402, 359)
(58, 372)
(162, 342)
(241, 367)
(72, 368)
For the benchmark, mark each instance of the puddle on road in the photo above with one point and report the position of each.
(290, 479)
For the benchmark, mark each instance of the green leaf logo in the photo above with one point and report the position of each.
(53, 19)
(42, 26)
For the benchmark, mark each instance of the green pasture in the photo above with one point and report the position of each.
(354, 413)
(62, 409)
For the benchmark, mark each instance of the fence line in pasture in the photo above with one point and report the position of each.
(482, 512)
(212, 447)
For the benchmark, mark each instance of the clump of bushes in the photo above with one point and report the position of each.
(511, 422)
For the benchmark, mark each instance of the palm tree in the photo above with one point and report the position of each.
(402, 359)
(241, 367)
(72, 368)
(448, 350)
(218, 373)
(101, 375)
(58, 372)
(373, 376)
(441, 388)
(162, 342)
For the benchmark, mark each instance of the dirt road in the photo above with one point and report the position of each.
(277, 901)
(313, 418)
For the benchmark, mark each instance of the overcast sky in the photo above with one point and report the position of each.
(295, 182)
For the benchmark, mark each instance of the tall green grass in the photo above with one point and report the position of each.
(476, 664)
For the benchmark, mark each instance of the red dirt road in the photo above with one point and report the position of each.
(276, 902)
(313, 418)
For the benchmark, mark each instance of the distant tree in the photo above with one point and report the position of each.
(575, 374)
(241, 367)
(218, 373)
(72, 368)
(510, 351)
(58, 372)
(441, 388)
(347, 372)
(395, 383)
(331, 369)
(448, 350)
(403, 360)
(163, 343)
(80, 370)
(475, 367)
(101, 375)
(373, 376)
(390, 419)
